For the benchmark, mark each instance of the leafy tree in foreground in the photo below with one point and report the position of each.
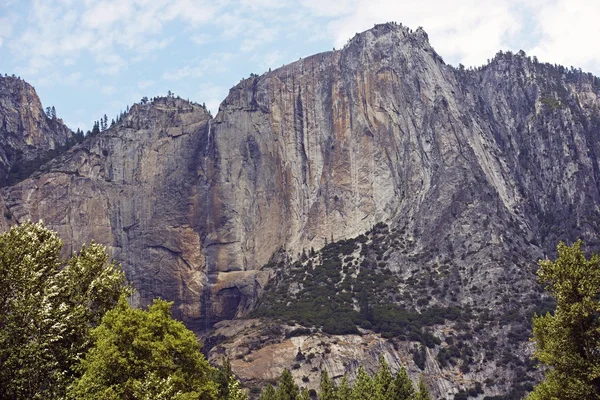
(569, 341)
(144, 355)
(48, 307)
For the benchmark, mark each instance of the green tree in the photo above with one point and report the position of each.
(304, 395)
(223, 377)
(363, 386)
(382, 379)
(422, 391)
(327, 388)
(48, 307)
(568, 341)
(344, 391)
(144, 355)
(286, 388)
(234, 392)
(268, 393)
(401, 387)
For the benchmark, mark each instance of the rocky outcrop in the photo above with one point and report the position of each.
(26, 132)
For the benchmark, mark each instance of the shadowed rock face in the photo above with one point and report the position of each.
(487, 168)
(25, 130)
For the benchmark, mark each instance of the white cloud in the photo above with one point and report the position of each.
(107, 13)
(569, 32)
(472, 31)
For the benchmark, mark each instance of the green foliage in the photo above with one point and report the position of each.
(363, 388)
(327, 388)
(47, 308)
(568, 341)
(286, 388)
(304, 394)
(383, 380)
(223, 378)
(422, 391)
(234, 392)
(551, 102)
(144, 355)
(401, 387)
(344, 391)
(381, 386)
(268, 393)
(332, 283)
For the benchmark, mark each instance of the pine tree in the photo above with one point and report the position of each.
(363, 386)
(401, 387)
(234, 392)
(222, 378)
(327, 389)
(344, 392)
(304, 395)
(95, 129)
(268, 393)
(568, 340)
(286, 388)
(422, 391)
(382, 379)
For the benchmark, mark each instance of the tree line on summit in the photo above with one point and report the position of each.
(68, 331)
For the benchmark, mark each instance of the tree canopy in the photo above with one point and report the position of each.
(141, 354)
(48, 306)
(568, 341)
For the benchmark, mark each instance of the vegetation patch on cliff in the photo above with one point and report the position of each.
(348, 285)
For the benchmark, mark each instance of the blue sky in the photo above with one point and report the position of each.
(90, 58)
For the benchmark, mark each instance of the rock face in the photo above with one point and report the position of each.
(481, 171)
(135, 188)
(26, 131)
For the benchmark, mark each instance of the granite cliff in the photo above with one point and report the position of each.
(26, 131)
(475, 174)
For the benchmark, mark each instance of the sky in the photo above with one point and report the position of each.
(89, 58)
